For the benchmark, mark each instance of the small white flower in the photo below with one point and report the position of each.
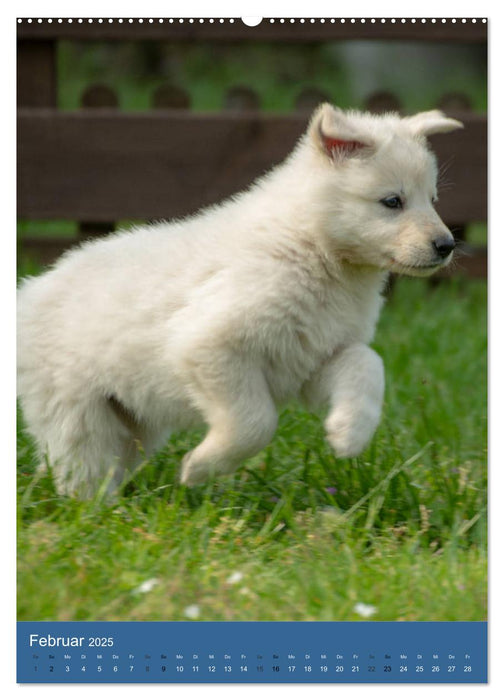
(365, 610)
(192, 612)
(147, 586)
(236, 577)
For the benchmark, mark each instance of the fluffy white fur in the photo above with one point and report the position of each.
(222, 317)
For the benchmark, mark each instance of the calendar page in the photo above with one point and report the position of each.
(252, 410)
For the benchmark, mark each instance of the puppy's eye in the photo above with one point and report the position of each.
(392, 202)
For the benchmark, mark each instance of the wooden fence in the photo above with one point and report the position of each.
(98, 165)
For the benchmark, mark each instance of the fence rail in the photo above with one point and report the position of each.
(104, 165)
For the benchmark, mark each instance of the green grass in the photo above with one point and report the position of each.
(402, 528)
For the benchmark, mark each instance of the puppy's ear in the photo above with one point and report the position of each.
(334, 133)
(433, 122)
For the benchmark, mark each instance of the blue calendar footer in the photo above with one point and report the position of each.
(252, 652)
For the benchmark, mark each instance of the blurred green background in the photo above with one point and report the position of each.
(347, 73)
(419, 74)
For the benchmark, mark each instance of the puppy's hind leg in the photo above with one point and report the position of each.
(241, 418)
(88, 447)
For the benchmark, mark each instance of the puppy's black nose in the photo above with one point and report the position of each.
(443, 245)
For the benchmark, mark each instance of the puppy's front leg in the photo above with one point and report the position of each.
(352, 382)
(241, 417)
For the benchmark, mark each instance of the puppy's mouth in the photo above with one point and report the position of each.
(417, 270)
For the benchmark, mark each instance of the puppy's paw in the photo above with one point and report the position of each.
(192, 473)
(347, 435)
(343, 440)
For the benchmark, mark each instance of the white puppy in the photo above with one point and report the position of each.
(222, 317)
